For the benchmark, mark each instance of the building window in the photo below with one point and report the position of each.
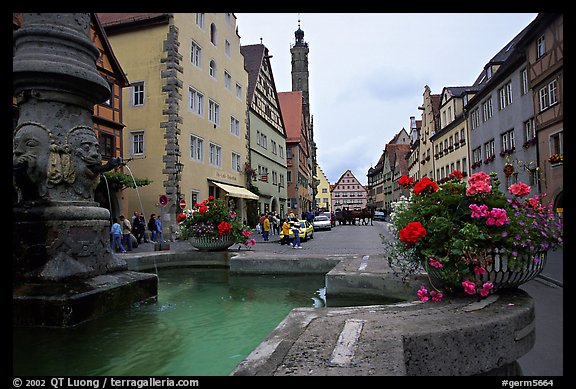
(529, 130)
(214, 112)
(196, 54)
(137, 142)
(487, 109)
(239, 91)
(106, 142)
(213, 37)
(281, 152)
(489, 149)
(234, 126)
(227, 48)
(477, 155)
(196, 148)
(475, 118)
(540, 47)
(552, 92)
(508, 141)
(505, 96)
(524, 81)
(227, 80)
(200, 20)
(196, 101)
(264, 141)
(236, 159)
(274, 147)
(215, 157)
(548, 95)
(212, 68)
(138, 94)
(556, 143)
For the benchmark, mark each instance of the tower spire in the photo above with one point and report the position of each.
(299, 35)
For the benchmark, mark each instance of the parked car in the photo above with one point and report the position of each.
(330, 216)
(321, 222)
(379, 215)
(306, 231)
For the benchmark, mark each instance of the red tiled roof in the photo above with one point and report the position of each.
(113, 21)
(291, 107)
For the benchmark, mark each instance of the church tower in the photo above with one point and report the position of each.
(300, 75)
(299, 51)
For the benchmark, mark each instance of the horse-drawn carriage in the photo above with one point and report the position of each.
(351, 216)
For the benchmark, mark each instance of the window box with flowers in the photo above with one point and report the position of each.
(556, 159)
(506, 152)
(211, 226)
(469, 238)
(489, 159)
(529, 142)
(476, 164)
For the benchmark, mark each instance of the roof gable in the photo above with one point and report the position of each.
(292, 114)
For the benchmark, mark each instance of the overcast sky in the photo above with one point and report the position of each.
(368, 70)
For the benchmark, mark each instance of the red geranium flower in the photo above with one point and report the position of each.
(406, 181)
(224, 228)
(423, 185)
(412, 233)
(181, 217)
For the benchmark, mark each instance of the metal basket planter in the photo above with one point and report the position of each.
(500, 273)
(503, 276)
(208, 243)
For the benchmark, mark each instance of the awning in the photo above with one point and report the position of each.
(236, 191)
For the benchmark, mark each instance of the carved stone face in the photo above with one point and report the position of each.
(85, 146)
(31, 150)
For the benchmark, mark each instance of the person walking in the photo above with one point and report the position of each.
(152, 227)
(142, 221)
(137, 227)
(285, 232)
(296, 231)
(116, 232)
(265, 228)
(276, 224)
(159, 232)
(126, 232)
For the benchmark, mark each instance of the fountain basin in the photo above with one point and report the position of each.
(65, 304)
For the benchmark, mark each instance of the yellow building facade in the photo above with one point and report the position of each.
(323, 197)
(185, 112)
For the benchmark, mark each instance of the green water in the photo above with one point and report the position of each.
(205, 322)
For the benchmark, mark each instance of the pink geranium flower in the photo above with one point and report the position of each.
(469, 287)
(434, 263)
(485, 291)
(519, 189)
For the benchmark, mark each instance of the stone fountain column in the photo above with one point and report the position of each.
(64, 271)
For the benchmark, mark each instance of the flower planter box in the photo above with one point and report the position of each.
(206, 243)
(503, 276)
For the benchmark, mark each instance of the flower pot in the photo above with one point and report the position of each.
(207, 243)
(499, 272)
(503, 276)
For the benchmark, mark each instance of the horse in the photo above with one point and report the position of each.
(363, 215)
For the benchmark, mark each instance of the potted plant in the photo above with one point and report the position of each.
(212, 225)
(556, 158)
(469, 238)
